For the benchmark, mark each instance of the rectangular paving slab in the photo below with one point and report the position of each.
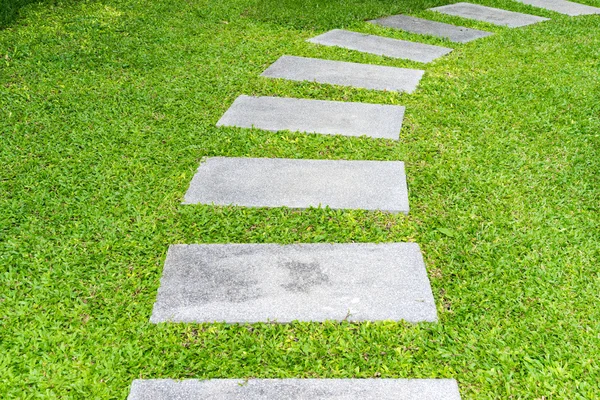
(295, 389)
(279, 182)
(563, 7)
(458, 34)
(381, 46)
(239, 283)
(315, 116)
(364, 76)
(487, 14)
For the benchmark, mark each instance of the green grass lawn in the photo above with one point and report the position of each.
(107, 108)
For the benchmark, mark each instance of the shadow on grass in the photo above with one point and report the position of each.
(329, 14)
(299, 14)
(10, 10)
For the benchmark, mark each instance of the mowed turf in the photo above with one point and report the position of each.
(107, 108)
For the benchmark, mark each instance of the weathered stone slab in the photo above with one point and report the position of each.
(315, 116)
(563, 7)
(277, 182)
(458, 34)
(381, 46)
(295, 389)
(341, 73)
(240, 283)
(488, 14)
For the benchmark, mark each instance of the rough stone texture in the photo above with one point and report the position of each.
(295, 389)
(341, 73)
(238, 283)
(563, 7)
(487, 14)
(458, 34)
(381, 45)
(277, 182)
(315, 116)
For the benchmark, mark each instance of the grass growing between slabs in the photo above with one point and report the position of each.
(107, 108)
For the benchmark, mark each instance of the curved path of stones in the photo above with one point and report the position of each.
(245, 283)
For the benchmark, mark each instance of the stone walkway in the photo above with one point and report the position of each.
(563, 7)
(296, 389)
(362, 76)
(315, 116)
(245, 283)
(239, 283)
(279, 182)
(381, 46)
(457, 34)
(491, 15)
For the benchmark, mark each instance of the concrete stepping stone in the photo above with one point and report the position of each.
(278, 182)
(563, 7)
(458, 34)
(364, 76)
(315, 116)
(487, 14)
(295, 389)
(245, 283)
(381, 46)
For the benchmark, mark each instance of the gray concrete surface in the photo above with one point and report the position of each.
(380, 45)
(364, 76)
(315, 116)
(487, 14)
(458, 34)
(563, 7)
(276, 182)
(295, 389)
(238, 283)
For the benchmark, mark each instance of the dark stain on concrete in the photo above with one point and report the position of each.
(304, 276)
(206, 285)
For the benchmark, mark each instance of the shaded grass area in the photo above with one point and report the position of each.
(10, 10)
(106, 109)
